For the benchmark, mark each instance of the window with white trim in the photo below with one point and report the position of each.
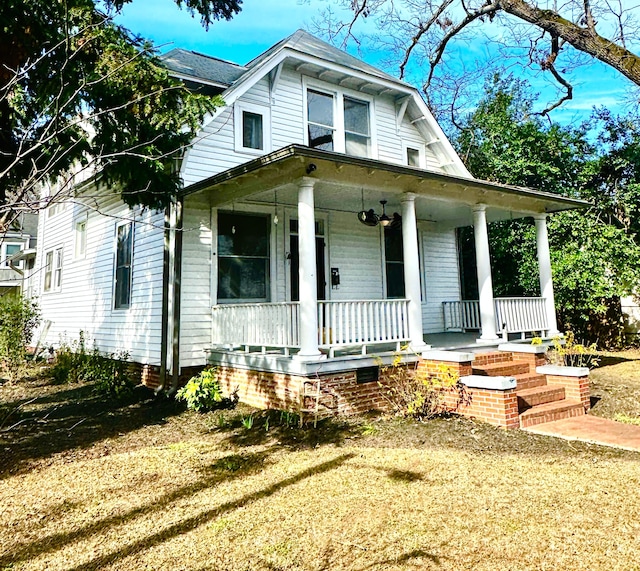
(122, 270)
(8, 249)
(243, 257)
(80, 238)
(53, 260)
(414, 155)
(338, 122)
(252, 128)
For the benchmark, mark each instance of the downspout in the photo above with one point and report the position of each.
(164, 320)
(177, 277)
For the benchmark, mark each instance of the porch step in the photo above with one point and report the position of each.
(490, 357)
(536, 396)
(501, 369)
(529, 381)
(551, 411)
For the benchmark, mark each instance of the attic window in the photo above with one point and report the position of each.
(252, 128)
(413, 157)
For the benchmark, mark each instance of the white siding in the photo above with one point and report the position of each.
(85, 300)
(441, 274)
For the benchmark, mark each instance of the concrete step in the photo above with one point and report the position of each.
(530, 380)
(490, 357)
(549, 412)
(503, 369)
(528, 398)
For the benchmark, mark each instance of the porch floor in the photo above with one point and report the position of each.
(457, 340)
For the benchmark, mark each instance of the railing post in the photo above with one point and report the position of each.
(544, 265)
(485, 284)
(412, 270)
(307, 270)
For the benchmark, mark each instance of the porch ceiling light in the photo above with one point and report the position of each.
(370, 218)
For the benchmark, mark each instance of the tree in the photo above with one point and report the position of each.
(545, 36)
(595, 253)
(82, 97)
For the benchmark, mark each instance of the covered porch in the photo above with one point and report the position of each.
(316, 320)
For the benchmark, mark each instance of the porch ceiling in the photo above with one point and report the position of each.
(351, 183)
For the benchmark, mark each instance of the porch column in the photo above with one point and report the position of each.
(544, 264)
(483, 263)
(307, 270)
(412, 270)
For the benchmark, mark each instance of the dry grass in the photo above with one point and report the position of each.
(191, 492)
(615, 385)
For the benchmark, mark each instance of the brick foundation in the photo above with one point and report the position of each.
(497, 407)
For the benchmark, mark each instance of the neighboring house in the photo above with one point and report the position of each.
(317, 226)
(17, 255)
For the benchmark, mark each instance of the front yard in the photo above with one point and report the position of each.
(87, 484)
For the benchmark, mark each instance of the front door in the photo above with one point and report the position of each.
(295, 266)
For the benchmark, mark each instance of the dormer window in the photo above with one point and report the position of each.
(252, 128)
(339, 122)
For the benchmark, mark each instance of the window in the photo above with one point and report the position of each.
(243, 257)
(53, 270)
(394, 261)
(320, 120)
(81, 238)
(252, 128)
(337, 122)
(356, 127)
(124, 250)
(6, 251)
(413, 157)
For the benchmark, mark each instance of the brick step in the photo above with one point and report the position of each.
(504, 369)
(551, 411)
(528, 398)
(529, 380)
(490, 357)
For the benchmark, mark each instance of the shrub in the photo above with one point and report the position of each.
(568, 352)
(203, 393)
(70, 360)
(19, 317)
(417, 395)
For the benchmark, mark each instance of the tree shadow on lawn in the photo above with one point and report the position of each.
(252, 463)
(73, 418)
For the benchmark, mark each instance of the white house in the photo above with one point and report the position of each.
(317, 226)
(17, 255)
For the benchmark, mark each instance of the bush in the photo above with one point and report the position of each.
(203, 393)
(19, 318)
(566, 351)
(417, 395)
(70, 360)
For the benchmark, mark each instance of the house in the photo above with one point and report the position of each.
(315, 236)
(17, 254)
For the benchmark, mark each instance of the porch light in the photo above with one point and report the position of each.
(370, 218)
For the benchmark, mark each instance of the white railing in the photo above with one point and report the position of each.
(362, 322)
(461, 315)
(259, 324)
(513, 315)
(521, 314)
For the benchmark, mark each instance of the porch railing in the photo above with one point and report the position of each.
(260, 324)
(362, 322)
(513, 315)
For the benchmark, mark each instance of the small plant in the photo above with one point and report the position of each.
(369, 429)
(110, 373)
(70, 360)
(568, 352)
(203, 393)
(247, 422)
(19, 318)
(415, 394)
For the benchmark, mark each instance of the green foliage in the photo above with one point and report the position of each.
(111, 374)
(414, 394)
(247, 422)
(595, 253)
(202, 393)
(75, 89)
(19, 317)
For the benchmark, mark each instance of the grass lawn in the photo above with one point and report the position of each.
(88, 484)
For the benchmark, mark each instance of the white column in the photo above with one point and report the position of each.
(483, 263)
(307, 270)
(412, 270)
(544, 264)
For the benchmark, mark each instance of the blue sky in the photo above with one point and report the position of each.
(263, 23)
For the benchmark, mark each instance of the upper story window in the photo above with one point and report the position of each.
(339, 122)
(80, 238)
(252, 128)
(414, 155)
(124, 257)
(53, 270)
(6, 251)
